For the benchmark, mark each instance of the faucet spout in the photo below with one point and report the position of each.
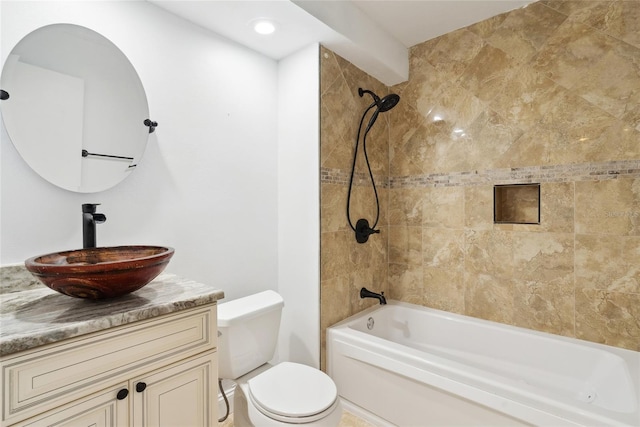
(89, 220)
(365, 293)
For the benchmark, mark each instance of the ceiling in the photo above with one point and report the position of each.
(415, 21)
(373, 34)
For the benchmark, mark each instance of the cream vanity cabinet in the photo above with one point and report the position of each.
(156, 372)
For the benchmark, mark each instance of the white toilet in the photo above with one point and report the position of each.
(267, 395)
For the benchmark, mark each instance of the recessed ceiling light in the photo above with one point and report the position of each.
(264, 26)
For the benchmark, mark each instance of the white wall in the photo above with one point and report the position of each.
(299, 205)
(208, 182)
(229, 178)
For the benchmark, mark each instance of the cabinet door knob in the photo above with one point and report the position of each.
(140, 387)
(122, 394)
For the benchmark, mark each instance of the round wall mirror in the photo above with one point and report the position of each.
(74, 108)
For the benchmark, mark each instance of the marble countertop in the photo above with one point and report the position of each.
(32, 315)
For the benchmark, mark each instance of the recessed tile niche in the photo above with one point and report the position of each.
(516, 204)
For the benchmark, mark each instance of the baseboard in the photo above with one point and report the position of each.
(362, 413)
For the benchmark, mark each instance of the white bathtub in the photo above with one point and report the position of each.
(423, 367)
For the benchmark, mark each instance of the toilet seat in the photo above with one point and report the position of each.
(293, 393)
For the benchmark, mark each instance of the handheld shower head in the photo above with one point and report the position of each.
(383, 105)
(388, 102)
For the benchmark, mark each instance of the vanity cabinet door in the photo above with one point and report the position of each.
(47, 377)
(108, 408)
(183, 394)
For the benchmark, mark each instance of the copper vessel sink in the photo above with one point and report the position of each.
(100, 273)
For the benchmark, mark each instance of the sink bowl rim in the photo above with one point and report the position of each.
(35, 266)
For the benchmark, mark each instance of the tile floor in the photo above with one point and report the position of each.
(348, 420)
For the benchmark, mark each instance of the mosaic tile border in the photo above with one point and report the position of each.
(339, 176)
(522, 175)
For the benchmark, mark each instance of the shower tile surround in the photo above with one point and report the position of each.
(545, 94)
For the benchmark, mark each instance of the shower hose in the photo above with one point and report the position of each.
(353, 168)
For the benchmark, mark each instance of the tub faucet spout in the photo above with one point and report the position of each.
(365, 293)
(89, 220)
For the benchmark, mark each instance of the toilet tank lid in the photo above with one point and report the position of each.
(247, 307)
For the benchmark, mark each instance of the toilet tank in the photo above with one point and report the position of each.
(247, 333)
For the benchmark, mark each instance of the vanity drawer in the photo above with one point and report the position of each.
(46, 377)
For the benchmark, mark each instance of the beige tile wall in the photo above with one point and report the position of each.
(346, 266)
(548, 94)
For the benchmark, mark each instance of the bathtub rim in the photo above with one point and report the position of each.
(567, 412)
(624, 352)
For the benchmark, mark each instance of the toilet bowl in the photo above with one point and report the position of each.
(285, 394)
(269, 395)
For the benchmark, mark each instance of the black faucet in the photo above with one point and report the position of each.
(89, 220)
(365, 293)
